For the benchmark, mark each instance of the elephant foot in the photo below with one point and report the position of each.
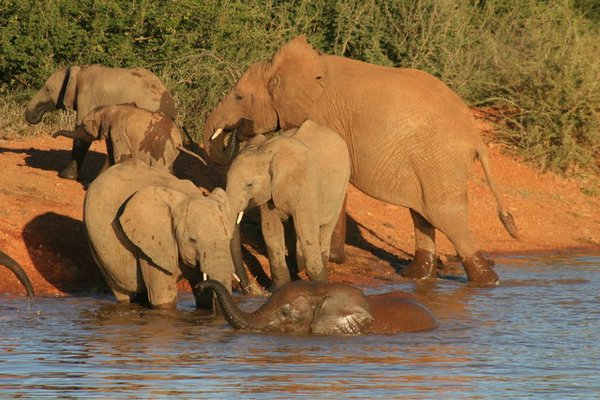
(337, 255)
(479, 271)
(70, 171)
(423, 266)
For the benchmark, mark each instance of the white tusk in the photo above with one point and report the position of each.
(204, 276)
(237, 278)
(216, 134)
(239, 217)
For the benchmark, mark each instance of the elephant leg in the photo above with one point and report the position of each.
(293, 258)
(72, 170)
(337, 253)
(453, 222)
(424, 264)
(326, 233)
(121, 296)
(307, 230)
(162, 288)
(273, 233)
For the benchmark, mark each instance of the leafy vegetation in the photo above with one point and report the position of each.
(535, 63)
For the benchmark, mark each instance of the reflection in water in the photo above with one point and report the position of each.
(535, 335)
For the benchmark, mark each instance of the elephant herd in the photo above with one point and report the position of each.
(399, 135)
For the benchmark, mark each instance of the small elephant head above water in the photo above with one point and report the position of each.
(321, 308)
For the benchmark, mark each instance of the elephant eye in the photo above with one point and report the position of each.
(249, 184)
(238, 97)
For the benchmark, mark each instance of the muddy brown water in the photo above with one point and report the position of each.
(536, 336)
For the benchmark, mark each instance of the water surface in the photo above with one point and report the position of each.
(536, 335)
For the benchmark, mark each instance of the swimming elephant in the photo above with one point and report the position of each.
(147, 229)
(303, 175)
(132, 132)
(412, 140)
(85, 87)
(14, 266)
(320, 308)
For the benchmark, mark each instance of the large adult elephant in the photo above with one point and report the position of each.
(411, 139)
(16, 269)
(85, 87)
(147, 229)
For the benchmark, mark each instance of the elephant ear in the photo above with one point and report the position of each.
(331, 317)
(147, 221)
(219, 196)
(68, 94)
(295, 81)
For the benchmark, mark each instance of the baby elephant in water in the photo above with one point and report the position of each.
(132, 132)
(326, 309)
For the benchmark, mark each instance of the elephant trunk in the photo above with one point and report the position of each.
(219, 136)
(237, 318)
(36, 109)
(18, 271)
(238, 261)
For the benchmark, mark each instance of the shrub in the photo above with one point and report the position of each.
(534, 61)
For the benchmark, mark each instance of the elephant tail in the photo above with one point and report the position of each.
(505, 217)
(18, 271)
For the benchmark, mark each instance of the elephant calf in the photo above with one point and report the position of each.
(85, 87)
(132, 132)
(302, 174)
(147, 229)
(327, 309)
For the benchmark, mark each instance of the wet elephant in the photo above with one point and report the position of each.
(85, 87)
(412, 140)
(320, 308)
(132, 132)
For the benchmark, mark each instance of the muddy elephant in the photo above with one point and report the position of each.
(303, 175)
(16, 269)
(85, 87)
(320, 308)
(132, 132)
(147, 229)
(412, 140)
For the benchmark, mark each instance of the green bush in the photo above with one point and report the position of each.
(534, 61)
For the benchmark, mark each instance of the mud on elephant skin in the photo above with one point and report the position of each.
(147, 229)
(412, 140)
(16, 269)
(320, 308)
(303, 175)
(85, 87)
(132, 132)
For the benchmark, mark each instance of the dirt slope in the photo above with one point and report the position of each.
(40, 219)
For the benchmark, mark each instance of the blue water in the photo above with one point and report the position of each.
(535, 336)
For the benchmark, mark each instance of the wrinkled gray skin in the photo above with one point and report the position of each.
(147, 229)
(131, 132)
(301, 307)
(412, 140)
(302, 174)
(14, 266)
(85, 87)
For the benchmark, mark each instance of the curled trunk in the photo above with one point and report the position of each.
(18, 271)
(236, 317)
